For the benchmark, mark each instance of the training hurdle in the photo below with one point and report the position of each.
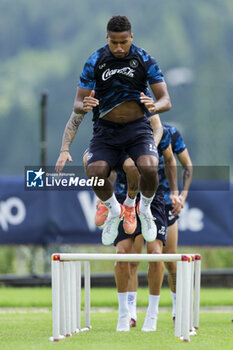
(66, 290)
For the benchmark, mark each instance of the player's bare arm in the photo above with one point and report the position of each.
(157, 128)
(70, 131)
(162, 103)
(68, 136)
(171, 174)
(85, 101)
(187, 166)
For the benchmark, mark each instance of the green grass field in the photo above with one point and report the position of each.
(26, 322)
(32, 330)
(106, 297)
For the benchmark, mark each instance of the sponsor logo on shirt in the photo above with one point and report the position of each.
(127, 71)
(133, 63)
(101, 66)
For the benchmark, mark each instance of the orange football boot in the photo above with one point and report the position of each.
(130, 220)
(101, 213)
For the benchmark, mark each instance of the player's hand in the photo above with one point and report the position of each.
(148, 102)
(61, 161)
(176, 204)
(89, 102)
(182, 200)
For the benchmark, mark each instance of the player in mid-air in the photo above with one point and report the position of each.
(132, 176)
(114, 84)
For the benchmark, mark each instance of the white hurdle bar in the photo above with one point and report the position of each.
(66, 290)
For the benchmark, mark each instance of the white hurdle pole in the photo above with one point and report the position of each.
(87, 287)
(186, 282)
(179, 296)
(120, 257)
(191, 328)
(78, 295)
(197, 287)
(63, 328)
(56, 299)
(67, 284)
(73, 286)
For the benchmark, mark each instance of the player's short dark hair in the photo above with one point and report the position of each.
(119, 24)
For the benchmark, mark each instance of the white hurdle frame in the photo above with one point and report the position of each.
(66, 290)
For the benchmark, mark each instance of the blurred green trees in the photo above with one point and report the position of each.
(44, 44)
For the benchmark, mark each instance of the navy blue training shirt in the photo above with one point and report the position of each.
(117, 80)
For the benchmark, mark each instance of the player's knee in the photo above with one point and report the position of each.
(122, 250)
(129, 164)
(147, 161)
(155, 251)
(149, 172)
(154, 248)
(97, 169)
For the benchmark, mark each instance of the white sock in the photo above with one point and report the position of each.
(129, 201)
(132, 303)
(123, 303)
(173, 304)
(113, 206)
(144, 205)
(153, 308)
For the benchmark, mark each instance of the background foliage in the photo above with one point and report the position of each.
(44, 45)
(36, 260)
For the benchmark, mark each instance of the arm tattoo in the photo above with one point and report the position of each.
(187, 177)
(70, 131)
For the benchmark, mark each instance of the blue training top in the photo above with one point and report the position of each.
(178, 146)
(116, 80)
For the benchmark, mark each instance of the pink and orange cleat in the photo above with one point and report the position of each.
(101, 213)
(130, 220)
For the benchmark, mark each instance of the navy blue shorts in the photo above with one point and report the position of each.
(111, 139)
(171, 219)
(158, 212)
(119, 165)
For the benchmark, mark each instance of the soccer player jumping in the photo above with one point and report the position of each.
(114, 85)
